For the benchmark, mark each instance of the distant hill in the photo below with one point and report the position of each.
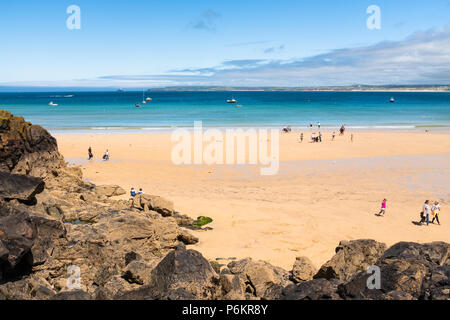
(424, 88)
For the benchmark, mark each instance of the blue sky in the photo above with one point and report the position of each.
(286, 42)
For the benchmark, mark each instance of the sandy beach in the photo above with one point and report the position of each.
(323, 193)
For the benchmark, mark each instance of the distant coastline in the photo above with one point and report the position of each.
(353, 88)
(356, 88)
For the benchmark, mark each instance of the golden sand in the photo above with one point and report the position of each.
(324, 192)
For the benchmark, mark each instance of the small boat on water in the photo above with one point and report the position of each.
(51, 104)
(143, 100)
(392, 99)
(232, 101)
(148, 99)
(137, 105)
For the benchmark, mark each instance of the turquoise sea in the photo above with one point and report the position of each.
(116, 110)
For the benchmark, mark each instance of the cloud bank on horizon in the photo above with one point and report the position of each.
(422, 58)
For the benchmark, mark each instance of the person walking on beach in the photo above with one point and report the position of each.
(313, 137)
(425, 216)
(301, 137)
(333, 135)
(90, 153)
(320, 136)
(435, 209)
(318, 125)
(383, 208)
(106, 155)
(351, 137)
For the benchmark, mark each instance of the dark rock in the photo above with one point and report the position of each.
(317, 289)
(407, 271)
(72, 295)
(436, 285)
(435, 253)
(137, 272)
(351, 257)
(182, 274)
(17, 235)
(26, 148)
(132, 256)
(49, 234)
(20, 187)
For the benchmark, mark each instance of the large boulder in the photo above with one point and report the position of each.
(407, 271)
(20, 187)
(181, 275)
(429, 254)
(155, 203)
(351, 257)
(261, 279)
(17, 235)
(303, 270)
(50, 233)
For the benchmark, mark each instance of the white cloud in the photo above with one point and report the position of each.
(422, 58)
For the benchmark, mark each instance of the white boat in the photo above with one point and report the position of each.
(51, 104)
(392, 100)
(232, 101)
(148, 99)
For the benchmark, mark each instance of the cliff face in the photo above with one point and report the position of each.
(63, 238)
(52, 222)
(26, 148)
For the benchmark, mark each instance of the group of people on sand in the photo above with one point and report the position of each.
(133, 192)
(428, 211)
(91, 155)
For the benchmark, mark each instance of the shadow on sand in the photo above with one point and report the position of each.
(379, 215)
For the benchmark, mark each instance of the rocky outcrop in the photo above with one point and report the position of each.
(407, 271)
(351, 257)
(26, 148)
(52, 222)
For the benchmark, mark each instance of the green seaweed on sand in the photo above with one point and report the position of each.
(201, 221)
